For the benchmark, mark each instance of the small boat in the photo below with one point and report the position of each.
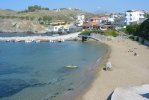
(71, 66)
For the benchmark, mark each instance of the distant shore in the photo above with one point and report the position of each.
(128, 70)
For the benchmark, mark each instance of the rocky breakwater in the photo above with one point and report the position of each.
(61, 38)
(23, 26)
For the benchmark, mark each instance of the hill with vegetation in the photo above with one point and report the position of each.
(36, 16)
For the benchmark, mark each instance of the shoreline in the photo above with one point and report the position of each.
(90, 76)
(89, 69)
(99, 66)
(121, 76)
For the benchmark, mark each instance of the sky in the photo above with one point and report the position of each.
(87, 5)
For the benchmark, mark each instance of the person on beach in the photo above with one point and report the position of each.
(108, 66)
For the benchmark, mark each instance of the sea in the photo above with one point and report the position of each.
(36, 71)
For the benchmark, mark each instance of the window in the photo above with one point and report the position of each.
(91, 20)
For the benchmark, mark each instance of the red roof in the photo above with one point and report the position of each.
(90, 24)
(98, 17)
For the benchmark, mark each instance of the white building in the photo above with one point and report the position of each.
(80, 20)
(112, 18)
(54, 28)
(62, 28)
(134, 16)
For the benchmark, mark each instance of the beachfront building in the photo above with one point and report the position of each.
(113, 17)
(56, 25)
(68, 28)
(58, 22)
(134, 16)
(120, 21)
(80, 20)
(54, 28)
(97, 22)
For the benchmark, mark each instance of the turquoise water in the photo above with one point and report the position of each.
(35, 71)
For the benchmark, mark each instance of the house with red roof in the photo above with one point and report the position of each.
(97, 22)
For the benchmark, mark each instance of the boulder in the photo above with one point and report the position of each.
(108, 66)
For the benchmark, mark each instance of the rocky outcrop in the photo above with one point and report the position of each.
(131, 93)
(16, 25)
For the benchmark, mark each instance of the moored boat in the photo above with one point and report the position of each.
(71, 66)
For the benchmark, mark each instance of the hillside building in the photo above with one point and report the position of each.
(80, 20)
(134, 16)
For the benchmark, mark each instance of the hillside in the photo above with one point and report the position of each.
(17, 25)
(68, 15)
(22, 21)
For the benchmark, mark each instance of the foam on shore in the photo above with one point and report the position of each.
(39, 38)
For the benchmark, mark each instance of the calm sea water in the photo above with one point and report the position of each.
(35, 71)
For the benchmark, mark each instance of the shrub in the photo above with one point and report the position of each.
(133, 29)
(123, 30)
(131, 37)
(111, 33)
(144, 29)
(107, 32)
(88, 32)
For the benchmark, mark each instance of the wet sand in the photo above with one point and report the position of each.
(127, 70)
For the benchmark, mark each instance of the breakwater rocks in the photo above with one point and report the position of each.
(28, 39)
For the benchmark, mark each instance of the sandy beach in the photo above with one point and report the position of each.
(127, 70)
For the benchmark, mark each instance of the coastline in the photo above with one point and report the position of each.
(100, 83)
(121, 75)
(86, 73)
(91, 75)
(99, 66)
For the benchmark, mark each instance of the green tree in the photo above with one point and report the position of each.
(45, 8)
(133, 29)
(40, 19)
(32, 18)
(27, 18)
(47, 18)
(146, 15)
(31, 9)
(36, 7)
(111, 32)
(144, 29)
(22, 18)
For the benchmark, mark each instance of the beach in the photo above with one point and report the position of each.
(127, 69)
